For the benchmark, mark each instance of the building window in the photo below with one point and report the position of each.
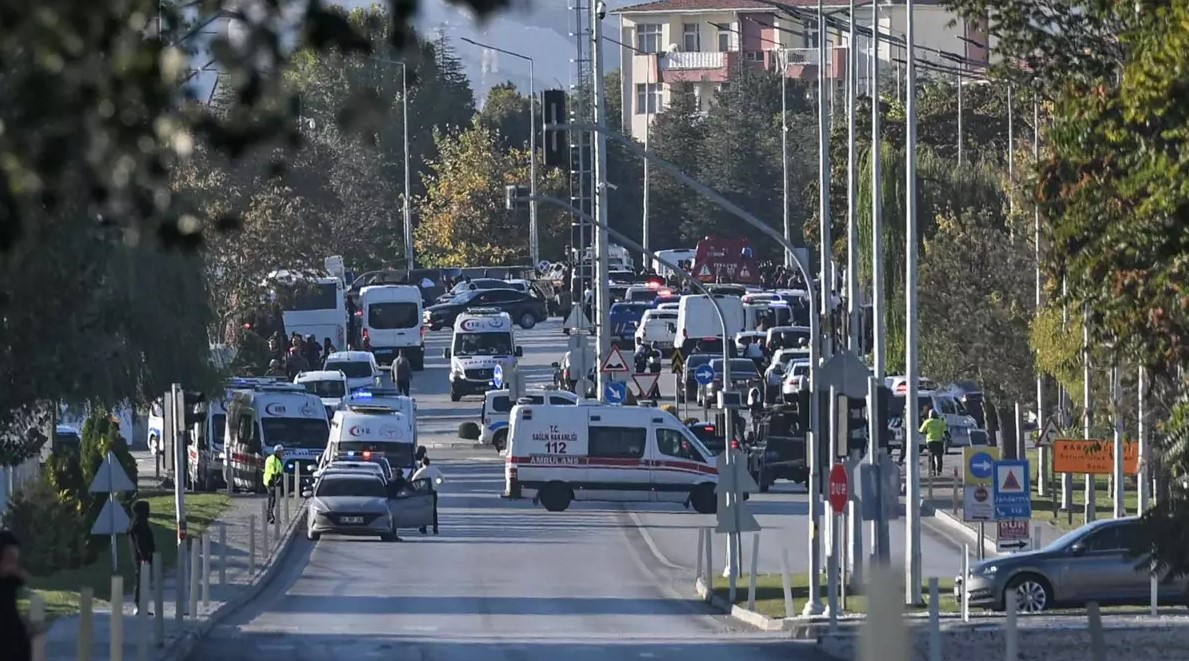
(811, 34)
(648, 37)
(648, 98)
(725, 37)
(691, 38)
(754, 55)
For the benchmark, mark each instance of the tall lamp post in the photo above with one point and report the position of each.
(534, 242)
(404, 101)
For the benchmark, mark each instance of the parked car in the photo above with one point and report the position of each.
(525, 309)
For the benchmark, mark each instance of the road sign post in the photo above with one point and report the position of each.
(1012, 490)
(645, 384)
(112, 520)
(497, 376)
(978, 468)
(704, 374)
(1013, 535)
(615, 392)
(614, 363)
(733, 515)
(839, 489)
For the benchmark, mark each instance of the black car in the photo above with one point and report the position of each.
(689, 385)
(525, 309)
(779, 450)
(477, 283)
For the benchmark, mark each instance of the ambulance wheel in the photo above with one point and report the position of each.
(704, 500)
(556, 497)
(500, 440)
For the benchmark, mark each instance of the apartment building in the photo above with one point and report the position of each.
(707, 42)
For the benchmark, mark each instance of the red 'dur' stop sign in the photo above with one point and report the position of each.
(839, 490)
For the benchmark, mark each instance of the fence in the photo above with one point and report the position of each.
(15, 479)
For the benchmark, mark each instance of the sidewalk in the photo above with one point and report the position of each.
(62, 639)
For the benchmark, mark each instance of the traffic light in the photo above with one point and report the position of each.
(557, 146)
(883, 396)
(195, 407)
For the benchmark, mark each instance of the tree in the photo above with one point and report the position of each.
(506, 113)
(975, 305)
(464, 221)
(676, 135)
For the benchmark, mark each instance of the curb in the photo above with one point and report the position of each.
(184, 644)
(957, 526)
(762, 622)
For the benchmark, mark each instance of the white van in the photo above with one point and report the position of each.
(388, 397)
(262, 416)
(558, 454)
(329, 385)
(483, 338)
(497, 406)
(392, 322)
(360, 367)
(673, 256)
(374, 429)
(696, 319)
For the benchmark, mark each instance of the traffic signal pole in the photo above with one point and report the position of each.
(177, 402)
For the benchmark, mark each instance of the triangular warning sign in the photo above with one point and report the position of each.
(736, 518)
(112, 520)
(645, 383)
(111, 478)
(704, 272)
(577, 319)
(614, 363)
(1011, 482)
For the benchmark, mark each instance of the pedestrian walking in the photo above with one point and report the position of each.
(434, 475)
(402, 373)
(16, 642)
(273, 470)
(140, 536)
(934, 429)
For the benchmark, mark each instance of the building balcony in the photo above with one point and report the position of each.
(803, 63)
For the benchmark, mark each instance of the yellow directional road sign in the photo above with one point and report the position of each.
(677, 361)
(977, 464)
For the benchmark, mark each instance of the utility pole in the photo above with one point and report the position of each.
(1120, 509)
(1042, 453)
(912, 541)
(825, 274)
(601, 256)
(854, 334)
(1090, 490)
(879, 533)
(1143, 479)
(784, 150)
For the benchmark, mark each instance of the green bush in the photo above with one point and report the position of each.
(101, 434)
(52, 531)
(64, 476)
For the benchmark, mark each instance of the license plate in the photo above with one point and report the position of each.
(351, 519)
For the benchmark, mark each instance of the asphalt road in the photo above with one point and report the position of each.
(504, 580)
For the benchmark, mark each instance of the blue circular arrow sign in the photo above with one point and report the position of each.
(704, 374)
(981, 465)
(497, 376)
(615, 392)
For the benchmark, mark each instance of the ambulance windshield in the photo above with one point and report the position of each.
(295, 432)
(483, 344)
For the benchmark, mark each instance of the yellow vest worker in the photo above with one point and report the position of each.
(272, 466)
(934, 430)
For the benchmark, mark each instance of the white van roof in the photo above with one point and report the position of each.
(391, 293)
(320, 375)
(483, 320)
(371, 425)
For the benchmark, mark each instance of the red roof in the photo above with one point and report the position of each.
(712, 5)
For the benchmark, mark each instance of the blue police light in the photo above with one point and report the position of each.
(362, 393)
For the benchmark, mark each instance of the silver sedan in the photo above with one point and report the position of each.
(350, 503)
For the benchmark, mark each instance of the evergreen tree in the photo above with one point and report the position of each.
(506, 113)
(676, 135)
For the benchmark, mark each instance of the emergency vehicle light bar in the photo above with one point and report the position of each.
(369, 392)
(370, 408)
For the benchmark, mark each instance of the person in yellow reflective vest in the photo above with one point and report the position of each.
(935, 429)
(273, 470)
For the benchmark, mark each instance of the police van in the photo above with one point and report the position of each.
(371, 429)
(558, 454)
(387, 397)
(270, 414)
(497, 405)
(483, 338)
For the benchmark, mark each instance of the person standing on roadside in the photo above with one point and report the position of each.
(16, 636)
(143, 545)
(402, 373)
(430, 472)
(934, 429)
(273, 472)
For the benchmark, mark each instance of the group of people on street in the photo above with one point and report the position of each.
(298, 354)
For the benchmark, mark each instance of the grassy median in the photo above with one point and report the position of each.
(770, 595)
(61, 590)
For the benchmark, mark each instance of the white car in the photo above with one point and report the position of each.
(329, 385)
(796, 379)
(360, 368)
(657, 326)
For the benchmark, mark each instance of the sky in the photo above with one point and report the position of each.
(539, 29)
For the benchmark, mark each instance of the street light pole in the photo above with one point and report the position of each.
(880, 542)
(404, 103)
(825, 281)
(534, 238)
(852, 178)
(602, 257)
(784, 150)
(912, 550)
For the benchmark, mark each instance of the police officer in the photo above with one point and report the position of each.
(273, 471)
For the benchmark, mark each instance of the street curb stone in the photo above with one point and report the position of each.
(183, 645)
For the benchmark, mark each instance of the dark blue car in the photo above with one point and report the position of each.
(624, 318)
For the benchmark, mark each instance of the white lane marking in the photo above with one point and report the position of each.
(651, 544)
(275, 647)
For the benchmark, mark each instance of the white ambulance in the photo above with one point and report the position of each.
(266, 415)
(558, 454)
(388, 397)
(371, 429)
(483, 338)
